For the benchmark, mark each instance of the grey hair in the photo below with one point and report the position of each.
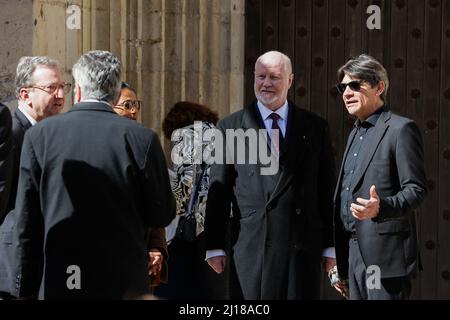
(98, 75)
(367, 68)
(287, 64)
(26, 67)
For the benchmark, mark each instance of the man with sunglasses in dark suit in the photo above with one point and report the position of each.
(40, 92)
(381, 182)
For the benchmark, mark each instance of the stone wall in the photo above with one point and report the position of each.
(171, 50)
(16, 34)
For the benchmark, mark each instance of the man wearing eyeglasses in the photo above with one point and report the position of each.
(40, 92)
(381, 182)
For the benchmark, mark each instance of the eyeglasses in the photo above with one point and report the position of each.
(65, 87)
(354, 85)
(130, 104)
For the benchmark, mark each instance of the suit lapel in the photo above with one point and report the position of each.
(22, 124)
(252, 118)
(372, 145)
(294, 148)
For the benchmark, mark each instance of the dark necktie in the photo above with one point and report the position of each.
(277, 143)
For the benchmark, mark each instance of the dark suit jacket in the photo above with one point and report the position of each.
(394, 163)
(278, 237)
(5, 161)
(157, 240)
(19, 125)
(91, 183)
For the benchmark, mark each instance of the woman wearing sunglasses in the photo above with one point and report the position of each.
(128, 104)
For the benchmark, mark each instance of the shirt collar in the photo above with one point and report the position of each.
(266, 112)
(95, 100)
(371, 120)
(25, 113)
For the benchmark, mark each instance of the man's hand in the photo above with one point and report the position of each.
(217, 263)
(366, 209)
(328, 263)
(154, 262)
(342, 288)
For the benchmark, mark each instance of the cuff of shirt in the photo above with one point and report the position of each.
(329, 253)
(214, 253)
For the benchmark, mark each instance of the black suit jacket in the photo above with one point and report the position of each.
(5, 161)
(277, 237)
(91, 183)
(394, 163)
(19, 125)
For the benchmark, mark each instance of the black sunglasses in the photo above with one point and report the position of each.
(354, 85)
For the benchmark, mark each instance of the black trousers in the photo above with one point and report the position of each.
(189, 276)
(363, 282)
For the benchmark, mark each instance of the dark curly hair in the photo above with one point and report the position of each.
(184, 113)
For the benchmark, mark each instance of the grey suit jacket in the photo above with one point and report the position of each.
(91, 183)
(277, 235)
(394, 163)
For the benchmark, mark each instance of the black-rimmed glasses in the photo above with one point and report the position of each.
(354, 85)
(52, 89)
(130, 104)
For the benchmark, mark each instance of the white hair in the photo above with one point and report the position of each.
(272, 56)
